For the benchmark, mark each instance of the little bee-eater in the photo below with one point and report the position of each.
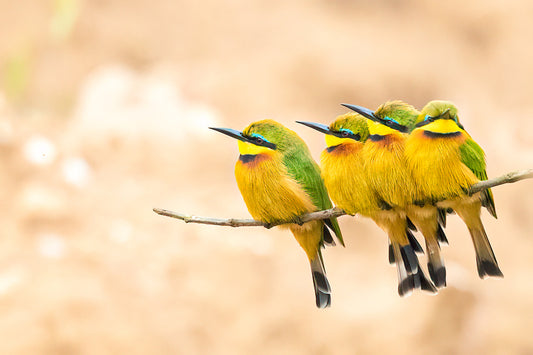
(386, 161)
(388, 175)
(279, 181)
(346, 177)
(445, 161)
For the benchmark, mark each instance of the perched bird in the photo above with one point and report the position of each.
(445, 161)
(344, 168)
(279, 181)
(387, 162)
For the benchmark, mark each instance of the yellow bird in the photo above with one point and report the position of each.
(345, 171)
(279, 181)
(391, 176)
(445, 161)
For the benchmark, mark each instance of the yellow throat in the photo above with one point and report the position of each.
(379, 129)
(246, 148)
(332, 141)
(442, 126)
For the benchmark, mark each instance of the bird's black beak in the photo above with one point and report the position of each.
(318, 126)
(232, 133)
(367, 113)
(446, 115)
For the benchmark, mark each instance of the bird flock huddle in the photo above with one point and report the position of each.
(403, 168)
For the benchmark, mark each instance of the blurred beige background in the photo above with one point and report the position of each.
(104, 109)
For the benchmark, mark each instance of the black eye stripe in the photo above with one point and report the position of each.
(425, 122)
(260, 142)
(344, 134)
(431, 119)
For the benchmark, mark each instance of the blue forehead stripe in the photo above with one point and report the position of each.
(257, 135)
(346, 130)
(391, 119)
(427, 117)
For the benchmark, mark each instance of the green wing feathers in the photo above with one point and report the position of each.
(303, 169)
(473, 157)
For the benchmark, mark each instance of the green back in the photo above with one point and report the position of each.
(303, 169)
(473, 157)
(299, 163)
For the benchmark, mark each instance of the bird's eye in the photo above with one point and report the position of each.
(345, 133)
(428, 117)
(259, 140)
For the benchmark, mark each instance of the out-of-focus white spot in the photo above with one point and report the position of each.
(460, 275)
(9, 279)
(51, 246)
(76, 171)
(116, 101)
(200, 117)
(42, 200)
(120, 231)
(39, 150)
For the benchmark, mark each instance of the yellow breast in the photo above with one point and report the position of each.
(386, 170)
(269, 192)
(344, 176)
(442, 126)
(435, 164)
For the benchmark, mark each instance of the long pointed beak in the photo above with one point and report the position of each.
(365, 112)
(446, 115)
(318, 126)
(233, 133)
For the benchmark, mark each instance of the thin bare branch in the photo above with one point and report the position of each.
(333, 212)
(504, 179)
(234, 222)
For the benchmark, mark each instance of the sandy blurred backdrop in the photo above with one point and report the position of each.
(104, 109)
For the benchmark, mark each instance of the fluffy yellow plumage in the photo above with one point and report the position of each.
(279, 198)
(445, 161)
(438, 181)
(351, 170)
(279, 181)
(386, 167)
(343, 167)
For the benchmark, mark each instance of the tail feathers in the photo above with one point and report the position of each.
(441, 237)
(415, 281)
(436, 268)
(414, 243)
(411, 225)
(486, 260)
(407, 282)
(409, 259)
(321, 284)
(425, 283)
(333, 225)
(487, 201)
(442, 216)
(328, 238)
(410, 274)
